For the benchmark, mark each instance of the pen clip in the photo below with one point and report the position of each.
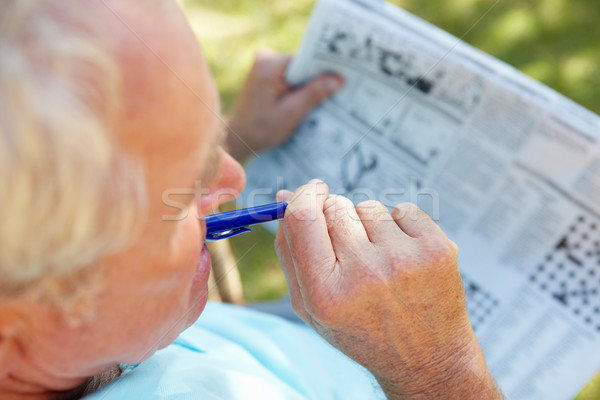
(213, 236)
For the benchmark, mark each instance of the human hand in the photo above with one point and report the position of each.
(268, 110)
(385, 289)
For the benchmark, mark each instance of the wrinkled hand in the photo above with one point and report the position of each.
(268, 110)
(383, 288)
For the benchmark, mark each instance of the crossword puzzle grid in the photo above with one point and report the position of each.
(480, 302)
(570, 273)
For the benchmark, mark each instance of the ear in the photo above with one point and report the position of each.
(10, 352)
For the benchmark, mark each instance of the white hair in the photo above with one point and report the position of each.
(68, 196)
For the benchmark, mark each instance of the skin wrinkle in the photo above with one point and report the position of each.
(57, 355)
(408, 298)
(161, 267)
(435, 359)
(152, 266)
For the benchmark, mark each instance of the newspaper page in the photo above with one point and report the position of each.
(509, 168)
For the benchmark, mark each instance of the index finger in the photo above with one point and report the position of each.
(306, 231)
(278, 63)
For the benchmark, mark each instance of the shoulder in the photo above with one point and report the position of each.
(235, 353)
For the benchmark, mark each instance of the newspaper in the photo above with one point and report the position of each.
(509, 168)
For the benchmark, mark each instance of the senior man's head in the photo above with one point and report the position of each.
(105, 106)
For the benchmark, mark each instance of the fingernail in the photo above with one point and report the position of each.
(315, 181)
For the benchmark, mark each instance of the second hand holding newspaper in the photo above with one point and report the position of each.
(509, 168)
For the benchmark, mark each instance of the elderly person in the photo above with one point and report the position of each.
(107, 105)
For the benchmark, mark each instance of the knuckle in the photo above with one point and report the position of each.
(370, 204)
(405, 209)
(262, 67)
(372, 209)
(337, 207)
(319, 92)
(263, 57)
(427, 252)
(422, 219)
(338, 202)
(440, 250)
(453, 247)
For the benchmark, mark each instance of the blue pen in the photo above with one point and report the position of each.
(232, 223)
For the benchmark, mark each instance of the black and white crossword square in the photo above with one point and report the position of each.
(570, 272)
(480, 302)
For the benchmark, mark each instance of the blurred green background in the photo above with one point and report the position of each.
(555, 41)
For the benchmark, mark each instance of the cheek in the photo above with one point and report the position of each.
(180, 283)
(187, 245)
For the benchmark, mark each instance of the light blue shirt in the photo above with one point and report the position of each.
(236, 353)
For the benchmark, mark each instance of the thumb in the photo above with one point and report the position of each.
(299, 102)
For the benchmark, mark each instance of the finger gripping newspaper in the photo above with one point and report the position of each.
(509, 169)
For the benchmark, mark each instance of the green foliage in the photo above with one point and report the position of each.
(554, 41)
(231, 32)
(259, 269)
